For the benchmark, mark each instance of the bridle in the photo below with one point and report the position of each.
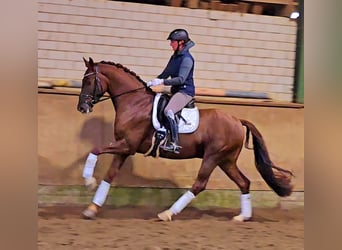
(94, 97)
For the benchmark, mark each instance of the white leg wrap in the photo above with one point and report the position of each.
(182, 202)
(89, 166)
(246, 206)
(101, 193)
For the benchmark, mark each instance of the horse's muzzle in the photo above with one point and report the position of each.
(84, 108)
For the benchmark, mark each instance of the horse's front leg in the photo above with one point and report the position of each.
(103, 189)
(116, 147)
(121, 151)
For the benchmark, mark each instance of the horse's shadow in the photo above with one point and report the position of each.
(150, 214)
(99, 132)
(190, 213)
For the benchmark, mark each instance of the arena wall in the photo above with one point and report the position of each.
(234, 51)
(66, 137)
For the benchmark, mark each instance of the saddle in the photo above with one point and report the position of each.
(162, 102)
(187, 120)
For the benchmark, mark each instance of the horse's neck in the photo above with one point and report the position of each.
(127, 93)
(121, 83)
(133, 108)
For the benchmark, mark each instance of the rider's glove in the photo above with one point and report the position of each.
(155, 82)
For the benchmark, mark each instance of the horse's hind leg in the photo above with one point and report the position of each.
(103, 189)
(204, 173)
(232, 171)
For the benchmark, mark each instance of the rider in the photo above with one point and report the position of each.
(180, 69)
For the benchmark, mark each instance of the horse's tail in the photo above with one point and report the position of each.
(279, 180)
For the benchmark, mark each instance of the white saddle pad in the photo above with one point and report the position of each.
(191, 117)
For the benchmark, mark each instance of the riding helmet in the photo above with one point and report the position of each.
(178, 35)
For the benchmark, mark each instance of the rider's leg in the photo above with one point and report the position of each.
(174, 130)
(176, 103)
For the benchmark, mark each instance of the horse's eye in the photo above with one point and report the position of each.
(87, 83)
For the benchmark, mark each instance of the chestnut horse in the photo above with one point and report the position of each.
(218, 140)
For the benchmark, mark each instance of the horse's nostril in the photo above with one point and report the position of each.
(80, 108)
(84, 108)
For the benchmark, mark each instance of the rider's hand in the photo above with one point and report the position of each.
(155, 82)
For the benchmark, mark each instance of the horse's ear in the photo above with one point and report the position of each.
(89, 63)
(86, 62)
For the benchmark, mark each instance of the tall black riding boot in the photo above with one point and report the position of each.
(173, 145)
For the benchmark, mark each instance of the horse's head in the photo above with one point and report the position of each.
(92, 89)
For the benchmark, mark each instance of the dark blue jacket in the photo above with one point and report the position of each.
(181, 69)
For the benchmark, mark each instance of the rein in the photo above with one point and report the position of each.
(97, 80)
(103, 99)
(128, 92)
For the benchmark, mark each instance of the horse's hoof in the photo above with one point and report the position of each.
(89, 214)
(241, 218)
(90, 183)
(165, 215)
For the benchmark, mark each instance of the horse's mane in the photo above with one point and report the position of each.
(118, 65)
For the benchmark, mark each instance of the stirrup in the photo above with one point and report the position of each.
(171, 147)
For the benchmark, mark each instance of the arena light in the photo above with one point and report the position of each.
(294, 15)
